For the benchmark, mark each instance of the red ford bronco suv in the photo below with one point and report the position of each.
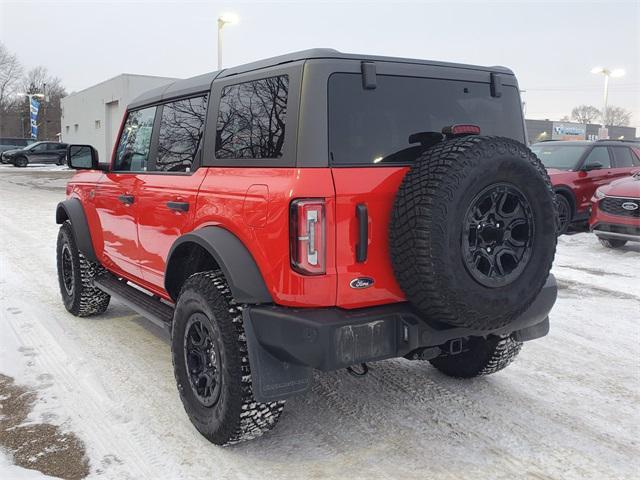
(317, 210)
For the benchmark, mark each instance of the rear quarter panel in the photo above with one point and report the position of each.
(229, 198)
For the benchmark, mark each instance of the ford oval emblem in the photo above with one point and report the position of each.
(630, 206)
(361, 282)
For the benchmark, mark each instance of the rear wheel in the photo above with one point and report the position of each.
(21, 162)
(612, 242)
(473, 231)
(211, 364)
(479, 356)
(75, 276)
(564, 213)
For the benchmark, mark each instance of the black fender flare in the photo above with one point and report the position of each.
(230, 254)
(72, 210)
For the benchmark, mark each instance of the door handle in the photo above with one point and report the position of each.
(178, 206)
(363, 232)
(126, 199)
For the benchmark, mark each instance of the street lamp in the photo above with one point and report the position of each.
(224, 19)
(618, 72)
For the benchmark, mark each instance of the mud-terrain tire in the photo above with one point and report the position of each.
(442, 230)
(207, 326)
(75, 276)
(480, 356)
(612, 242)
(565, 213)
(20, 162)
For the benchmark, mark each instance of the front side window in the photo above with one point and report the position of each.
(181, 127)
(559, 156)
(38, 147)
(251, 119)
(599, 155)
(132, 154)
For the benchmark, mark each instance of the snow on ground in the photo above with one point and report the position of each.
(567, 408)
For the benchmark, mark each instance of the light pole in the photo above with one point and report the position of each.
(224, 19)
(618, 72)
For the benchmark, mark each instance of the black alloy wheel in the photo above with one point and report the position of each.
(201, 352)
(497, 235)
(66, 270)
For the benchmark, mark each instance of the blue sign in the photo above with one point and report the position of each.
(34, 107)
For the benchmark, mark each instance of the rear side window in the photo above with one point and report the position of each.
(132, 154)
(599, 155)
(622, 156)
(251, 119)
(181, 128)
(368, 127)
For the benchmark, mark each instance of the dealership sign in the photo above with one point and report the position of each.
(568, 131)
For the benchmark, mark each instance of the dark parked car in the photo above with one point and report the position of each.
(10, 143)
(578, 168)
(39, 152)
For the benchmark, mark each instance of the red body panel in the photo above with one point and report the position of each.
(234, 198)
(376, 188)
(584, 184)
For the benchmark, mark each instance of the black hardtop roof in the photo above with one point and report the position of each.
(201, 83)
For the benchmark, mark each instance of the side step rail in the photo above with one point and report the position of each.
(146, 305)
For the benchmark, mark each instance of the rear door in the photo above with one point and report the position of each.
(166, 193)
(370, 153)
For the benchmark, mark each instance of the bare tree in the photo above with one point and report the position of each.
(39, 80)
(617, 117)
(585, 114)
(10, 74)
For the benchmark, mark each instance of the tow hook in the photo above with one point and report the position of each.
(358, 372)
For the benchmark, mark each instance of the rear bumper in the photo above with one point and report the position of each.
(285, 344)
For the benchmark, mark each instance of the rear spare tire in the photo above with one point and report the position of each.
(473, 231)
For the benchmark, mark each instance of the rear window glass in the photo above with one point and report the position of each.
(181, 126)
(251, 119)
(623, 157)
(373, 126)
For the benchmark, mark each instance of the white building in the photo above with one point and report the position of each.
(92, 116)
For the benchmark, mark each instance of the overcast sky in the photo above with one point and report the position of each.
(551, 46)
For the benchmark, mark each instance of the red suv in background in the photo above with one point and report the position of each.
(578, 168)
(615, 217)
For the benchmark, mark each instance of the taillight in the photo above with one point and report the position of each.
(308, 237)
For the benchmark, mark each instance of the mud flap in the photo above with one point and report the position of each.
(273, 379)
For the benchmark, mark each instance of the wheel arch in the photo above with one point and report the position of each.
(569, 195)
(211, 248)
(72, 210)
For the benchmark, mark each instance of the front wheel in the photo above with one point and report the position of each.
(564, 213)
(75, 275)
(479, 356)
(21, 162)
(211, 364)
(612, 242)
